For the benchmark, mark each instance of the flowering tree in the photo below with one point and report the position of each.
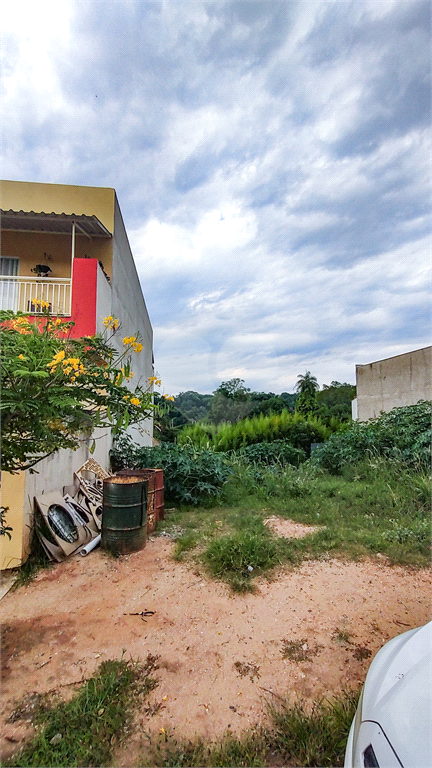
(56, 389)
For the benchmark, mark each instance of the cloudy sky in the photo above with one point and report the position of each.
(271, 161)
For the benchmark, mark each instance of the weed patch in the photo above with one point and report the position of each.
(341, 637)
(299, 650)
(247, 669)
(86, 729)
(295, 736)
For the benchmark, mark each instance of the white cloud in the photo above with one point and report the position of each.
(270, 162)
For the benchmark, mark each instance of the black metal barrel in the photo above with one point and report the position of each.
(124, 517)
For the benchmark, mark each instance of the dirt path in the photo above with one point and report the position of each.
(220, 655)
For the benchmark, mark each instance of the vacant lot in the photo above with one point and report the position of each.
(310, 631)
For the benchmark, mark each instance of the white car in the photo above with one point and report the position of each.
(393, 723)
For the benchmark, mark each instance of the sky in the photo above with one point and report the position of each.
(271, 161)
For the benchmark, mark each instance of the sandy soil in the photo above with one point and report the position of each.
(220, 655)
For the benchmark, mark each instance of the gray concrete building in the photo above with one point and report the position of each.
(392, 383)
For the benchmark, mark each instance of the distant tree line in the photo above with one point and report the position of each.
(232, 401)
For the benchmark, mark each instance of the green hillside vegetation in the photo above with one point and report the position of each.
(334, 401)
(232, 402)
(193, 405)
(295, 428)
(167, 420)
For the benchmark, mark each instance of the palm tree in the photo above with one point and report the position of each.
(307, 384)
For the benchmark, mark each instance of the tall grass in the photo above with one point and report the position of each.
(295, 428)
(374, 507)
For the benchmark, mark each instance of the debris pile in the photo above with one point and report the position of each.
(71, 521)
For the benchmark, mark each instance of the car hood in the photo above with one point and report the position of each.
(397, 695)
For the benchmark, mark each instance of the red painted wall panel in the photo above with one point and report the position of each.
(84, 295)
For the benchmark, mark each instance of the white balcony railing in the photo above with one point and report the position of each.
(19, 293)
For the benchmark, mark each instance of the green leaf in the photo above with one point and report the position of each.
(39, 374)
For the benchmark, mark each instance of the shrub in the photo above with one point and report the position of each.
(403, 434)
(277, 452)
(190, 476)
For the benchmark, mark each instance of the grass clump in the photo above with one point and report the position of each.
(237, 556)
(85, 730)
(315, 737)
(296, 735)
(246, 751)
(184, 544)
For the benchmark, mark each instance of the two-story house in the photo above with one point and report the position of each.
(67, 245)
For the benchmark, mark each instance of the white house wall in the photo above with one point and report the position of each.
(128, 306)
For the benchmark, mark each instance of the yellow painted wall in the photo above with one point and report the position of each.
(30, 248)
(13, 551)
(59, 198)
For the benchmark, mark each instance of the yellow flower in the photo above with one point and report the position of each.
(21, 357)
(114, 325)
(126, 397)
(129, 340)
(107, 320)
(58, 321)
(134, 401)
(59, 356)
(138, 348)
(68, 369)
(169, 397)
(73, 378)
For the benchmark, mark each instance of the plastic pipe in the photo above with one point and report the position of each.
(91, 545)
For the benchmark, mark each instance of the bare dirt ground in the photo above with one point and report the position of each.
(220, 654)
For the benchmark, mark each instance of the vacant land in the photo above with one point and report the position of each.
(309, 631)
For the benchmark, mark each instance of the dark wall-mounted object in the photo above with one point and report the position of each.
(42, 270)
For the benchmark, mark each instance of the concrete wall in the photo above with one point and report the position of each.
(128, 306)
(393, 382)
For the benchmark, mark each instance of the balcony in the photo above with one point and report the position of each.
(19, 294)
